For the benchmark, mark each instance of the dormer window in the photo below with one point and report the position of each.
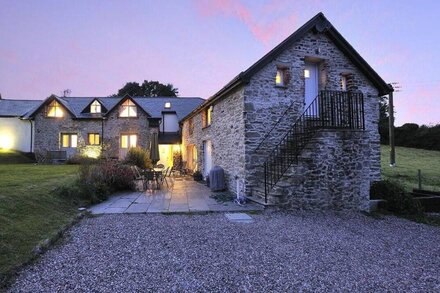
(128, 109)
(95, 107)
(167, 105)
(54, 109)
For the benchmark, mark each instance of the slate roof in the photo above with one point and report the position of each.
(17, 108)
(154, 106)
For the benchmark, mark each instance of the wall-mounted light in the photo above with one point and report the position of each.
(6, 141)
(167, 105)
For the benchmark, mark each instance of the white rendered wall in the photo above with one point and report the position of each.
(170, 123)
(15, 134)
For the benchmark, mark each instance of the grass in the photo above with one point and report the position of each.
(408, 161)
(29, 210)
(13, 157)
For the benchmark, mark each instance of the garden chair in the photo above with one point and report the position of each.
(138, 177)
(166, 173)
(150, 176)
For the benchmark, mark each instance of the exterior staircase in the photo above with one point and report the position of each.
(329, 110)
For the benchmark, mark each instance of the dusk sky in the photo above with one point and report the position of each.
(95, 47)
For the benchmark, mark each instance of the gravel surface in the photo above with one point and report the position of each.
(300, 251)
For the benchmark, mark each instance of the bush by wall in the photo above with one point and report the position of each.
(138, 157)
(398, 200)
(97, 181)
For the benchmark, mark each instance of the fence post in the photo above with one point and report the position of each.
(419, 177)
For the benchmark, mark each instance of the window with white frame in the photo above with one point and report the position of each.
(54, 109)
(69, 140)
(128, 141)
(95, 107)
(94, 139)
(128, 109)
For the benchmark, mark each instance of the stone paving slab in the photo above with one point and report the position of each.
(182, 196)
(239, 217)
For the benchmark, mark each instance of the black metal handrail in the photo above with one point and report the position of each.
(273, 127)
(330, 109)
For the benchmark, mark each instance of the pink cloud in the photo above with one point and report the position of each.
(263, 31)
(8, 56)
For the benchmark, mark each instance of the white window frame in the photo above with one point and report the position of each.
(54, 110)
(95, 107)
(131, 140)
(128, 109)
(72, 140)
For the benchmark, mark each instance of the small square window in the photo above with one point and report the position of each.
(128, 141)
(282, 77)
(69, 140)
(167, 105)
(94, 139)
(306, 73)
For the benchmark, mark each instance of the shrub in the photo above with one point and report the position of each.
(138, 157)
(96, 182)
(398, 200)
(81, 160)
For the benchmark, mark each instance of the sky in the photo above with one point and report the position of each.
(94, 47)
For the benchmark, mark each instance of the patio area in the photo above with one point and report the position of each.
(183, 195)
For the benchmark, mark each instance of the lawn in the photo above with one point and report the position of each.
(408, 161)
(29, 210)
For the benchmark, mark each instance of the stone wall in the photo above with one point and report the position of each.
(333, 173)
(226, 134)
(265, 102)
(114, 126)
(48, 132)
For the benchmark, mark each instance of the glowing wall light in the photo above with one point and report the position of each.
(6, 141)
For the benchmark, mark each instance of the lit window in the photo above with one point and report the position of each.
(128, 141)
(54, 110)
(282, 76)
(306, 73)
(95, 107)
(94, 139)
(128, 109)
(69, 140)
(207, 117)
(279, 78)
(167, 105)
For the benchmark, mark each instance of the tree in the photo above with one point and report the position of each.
(148, 89)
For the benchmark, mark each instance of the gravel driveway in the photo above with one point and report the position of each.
(277, 252)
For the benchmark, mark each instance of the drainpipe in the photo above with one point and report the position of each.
(102, 132)
(32, 135)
